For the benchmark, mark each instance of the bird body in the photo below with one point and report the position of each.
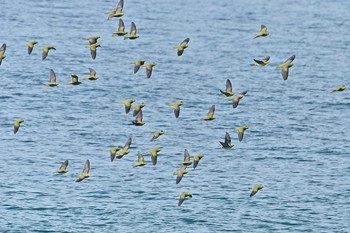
(181, 47)
(210, 115)
(227, 144)
(46, 51)
(149, 68)
(255, 189)
(17, 124)
(63, 167)
(138, 64)
(75, 80)
(92, 39)
(53, 82)
(339, 88)
(176, 107)
(127, 104)
(263, 32)
(240, 131)
(285, 67)
(31, 45)
(121, 29)
(183, 197)
(262, 62)
(154, 154)
(156, 135)
(180, 173)
(93, 49)
(196, 159)
(121, 153)
(113, 151)
(86, 172)
(140, 161)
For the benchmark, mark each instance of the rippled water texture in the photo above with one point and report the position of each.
(297, 145)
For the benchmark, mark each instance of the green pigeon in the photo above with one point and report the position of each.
(46, 51)
(263, 32)
(114, 151)
(140, 161)
(17, 124)
(137, 108)
(127, 104)
(183, 197)
(138, 64)
(138, 121)
(196, 159)
(92, 75)
(339, 88)
(181, 47)
(53, 82)
(149, 68)
(176, 107)
(117, 12)
(86, 172)
(132, 33)
(227, 144)
(236, 100)
(93, 49)
(121, 29)
(75, 80)
(255, 189)
(180, 173)
(285, 67)
(92, 39)
(240, 131)
(31, 45)
(63, 167)
(156, 135)
(187, 159)
(262, 62)
(228, 91)
(210, 115)
(121, 153)
(2, 52)
(154, 154)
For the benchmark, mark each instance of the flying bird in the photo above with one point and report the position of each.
(187, 159)
(156, 135)
(2, 52)
(127, 104)
(113, 151)
(228, 91)
(149, 68)
(140, 161)
(93, 49)
(121, 29)
(132, 33)
(52, 82)
(63, 167)
(31, 45)
(138, 64)
(285, 67)
(17, 124)
(121, 153)
(138, 121)
(262, 62)
(75, 80)
(46, 51)
(263, 32)
(176, 107)
(240, 131)
(181, 47)
(137, 108)
(180, 173)
(92, 39)
(210, 115)
(183, 197)
(255, 189)
(339, 88)
(117, 12)
(86, 172)
(196, 159)
(236, 100)
(154, 154)
(92, 75)
(227, 144)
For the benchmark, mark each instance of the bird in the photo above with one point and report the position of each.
(181, 47)
(339, 88)
(285, 67)
(154, 154)
(180, 173)
(138, 121)
(255, 189)
(52, 82)
(86, 172)
(196, 159)
(227, 144)
(176, 107)
(63, 167)
(228, 91)
(92, 75)
(93, 49)
(236, 100)
(240, 131)
(210, 115)
(113, 151)
(137, 108)
(187, 159)
(138, 64)
(92, 39)
(262, 62)
(183, 197)
(263, 32)
(117, 12)
(121, 153)
(127, 104)
(132, 33)
(121, 29)
(75, 80)
(2, 52)
(31, 45)
(140, 161)
(156, 135)
(149, 68)
(17, 124)
(46, 51)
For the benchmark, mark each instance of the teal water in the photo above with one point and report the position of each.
(297, 145)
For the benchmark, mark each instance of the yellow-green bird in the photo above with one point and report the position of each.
(181, 47)
(210, 115)
(86, 172)
(140, 161)
(31, 45)
(92, 75)
(2, 52)
(63, 167)
(227, 144)
(132, 33)
(262, 62)
(196, 159)
(156, 135)
(187, 159)
(228, 91)
(154, 154)
(180, 173)
(285, 67)
(138, 64)
(121, 153)
(127, 104)
(263, 32)
(75, 80)
(137, 108)
(121, 29)
(255, 189)
(117, 12)
(93, 49)
(236, 100)
(339, 88)
(17, 124)
(92, 39)
(176, 107)
(52, 82)
(138, 120)
(149, 68)
(183, 197)
(240, 131)
(113, 151)
(46, 51)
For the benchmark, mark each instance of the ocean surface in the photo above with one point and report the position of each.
(297, 145)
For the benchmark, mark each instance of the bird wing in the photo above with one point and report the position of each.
(92, 72)
(181, 200)
(128, 142)
(235, 102)
(290, 59)
(64, 165)
(121, 27)
(253, 193)
(180, 51)
(186, 156)
(93, 53)
(263, 28)
(259, 62)
(139, 116)
(195, 163)
(140, 158)
(177, 111)
(52, 76)
(228, 86)
(285, 72)
(3, 48)
(15, 128)
(266, 59)
(184, 43)
(154, 159)
(44, 54)
(136, 68)
(179, 177)
(30, 49)
(211, 111)
(120, 6)
(86, 167)
(133, 29)
(227, 138)
(148, 72)
(113, 153)
(240, 135)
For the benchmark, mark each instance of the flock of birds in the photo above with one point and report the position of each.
(118, 152)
